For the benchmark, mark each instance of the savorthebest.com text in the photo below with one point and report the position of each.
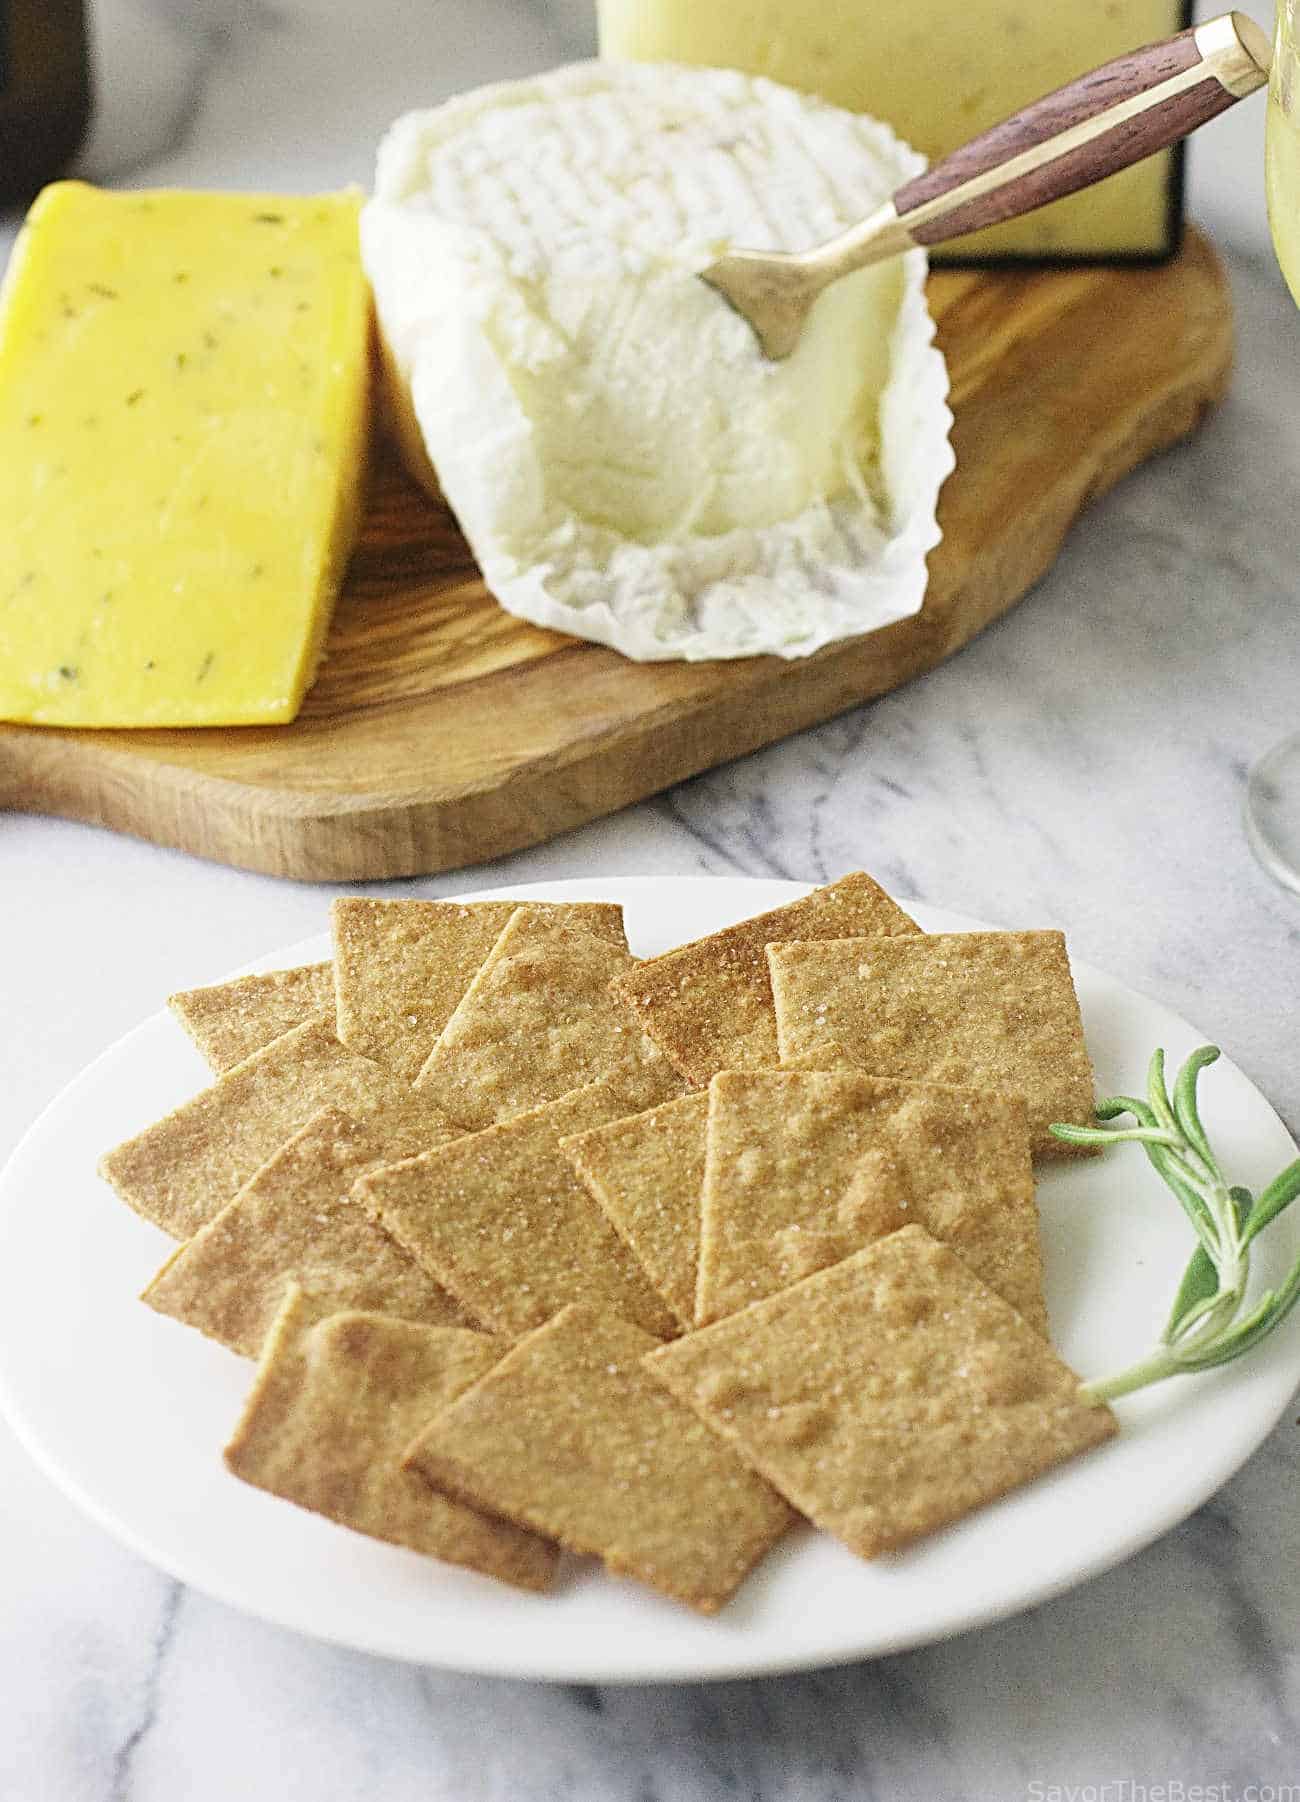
(1172, 1789)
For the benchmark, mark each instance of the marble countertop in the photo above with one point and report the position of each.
(1082, 764)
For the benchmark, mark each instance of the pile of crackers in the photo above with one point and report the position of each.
(540, 1246)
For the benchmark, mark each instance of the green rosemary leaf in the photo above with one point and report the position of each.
(1158, 1095)
(1185, 1106)
(1264, 1318)
(1079, 1135)
(1114, 1105)
(1200, 1282)
(1193, 1204)
(1098, 1135)
(1280, 1193)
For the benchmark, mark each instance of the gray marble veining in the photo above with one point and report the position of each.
(1082, 764)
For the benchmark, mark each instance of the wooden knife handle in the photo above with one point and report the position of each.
(1101, 122)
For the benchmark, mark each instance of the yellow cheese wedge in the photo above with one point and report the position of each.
(938, 71)
(183, 410)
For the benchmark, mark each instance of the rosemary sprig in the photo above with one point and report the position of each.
(1206, 1326)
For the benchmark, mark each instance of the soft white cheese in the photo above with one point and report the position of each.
(624, 461)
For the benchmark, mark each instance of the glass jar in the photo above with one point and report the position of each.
(1273, 798)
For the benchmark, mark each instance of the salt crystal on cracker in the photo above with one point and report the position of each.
(335, 1402)
(886, 1396)
(401, 967)
(537, 1021)
(229, 1021)
(975, 1009)
(804, 1168)
(501, 1220)
(708, 1005)
(181, 1170)
(646, 1173)
(568, 1436)
(295, 1221)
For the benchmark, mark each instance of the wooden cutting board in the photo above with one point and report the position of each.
(442, 732)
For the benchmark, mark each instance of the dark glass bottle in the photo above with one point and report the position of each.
(44, 92)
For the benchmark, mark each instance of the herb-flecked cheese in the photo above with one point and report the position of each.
(183, 409)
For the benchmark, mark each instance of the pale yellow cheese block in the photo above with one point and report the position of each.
(183, 417)
(939, 72)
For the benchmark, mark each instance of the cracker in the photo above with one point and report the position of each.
(567, 1435)
(827, 1055)
(708, 1005)
(501, 1220)
(646, 1173)
(537, 1021)
(183, 1169)
(231, 1020)
(804, 1168)
(887, 1396)
(976, 1009)
(295, 1221)
(333, 1405)
(402, 966)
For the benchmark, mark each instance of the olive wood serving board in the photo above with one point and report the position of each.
(443, 732)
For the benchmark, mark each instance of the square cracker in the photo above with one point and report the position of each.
(501, 1220)
(181, 1170)
(708, 1004)
(887, 1396)
(804, 1168)
(646, 1173)
(401, 967)
(567, 1435)
(231, 1020)
(971, 1008)
(295, 1221)
(537, 1021)
(333, 1405)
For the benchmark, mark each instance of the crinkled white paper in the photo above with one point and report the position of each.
(624, 462)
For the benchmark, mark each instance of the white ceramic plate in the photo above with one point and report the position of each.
(127, 1411)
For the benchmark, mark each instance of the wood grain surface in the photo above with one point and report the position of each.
(442, 732)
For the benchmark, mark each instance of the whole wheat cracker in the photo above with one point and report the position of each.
(802, 1168)
(708, 1004)
(335, 1401)
(886, 1396)
(537, 1021)
(501, 1220)
(646, 1173)
(827, 1055)
(401, 967)
(181, 1170)
(568, 1436)
(229, 1021)
(972, 1008)
(295, 1220)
